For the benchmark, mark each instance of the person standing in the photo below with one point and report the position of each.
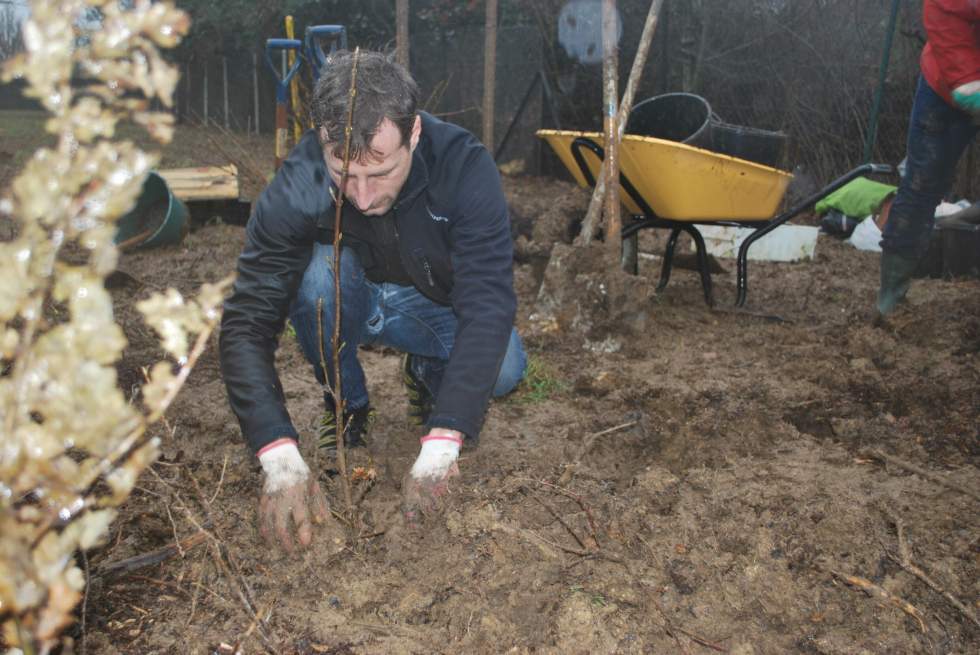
(944, 121)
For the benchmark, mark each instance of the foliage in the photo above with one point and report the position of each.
(72, 446)
(539, 383)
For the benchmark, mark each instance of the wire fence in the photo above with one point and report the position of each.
(808, 69)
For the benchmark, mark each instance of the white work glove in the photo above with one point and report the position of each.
(427, 483)
(289, 490)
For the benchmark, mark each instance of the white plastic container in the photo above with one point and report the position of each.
(787, 243)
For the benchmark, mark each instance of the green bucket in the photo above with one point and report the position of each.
(158, 219)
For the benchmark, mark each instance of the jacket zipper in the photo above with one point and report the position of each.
(428, 271)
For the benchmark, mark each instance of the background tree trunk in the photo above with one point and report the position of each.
(401, 32)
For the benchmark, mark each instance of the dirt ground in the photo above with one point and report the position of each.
(737, 492)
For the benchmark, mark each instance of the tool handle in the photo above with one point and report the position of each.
(313, 37)
(272, 45)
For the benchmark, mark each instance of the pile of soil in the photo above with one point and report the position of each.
(739, 487)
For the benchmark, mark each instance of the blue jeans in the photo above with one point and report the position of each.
(380, 313)
(938, 135)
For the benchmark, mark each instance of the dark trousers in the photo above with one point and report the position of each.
(938, 135)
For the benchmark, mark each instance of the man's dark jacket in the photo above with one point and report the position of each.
(455, 243)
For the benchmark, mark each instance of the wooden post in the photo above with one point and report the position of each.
(224, 85)
(595, 205)
(610, 84)
(489, 72)
(294, 84)
(401, 32)
(255, 90)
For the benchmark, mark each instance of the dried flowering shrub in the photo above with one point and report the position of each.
(71, 446)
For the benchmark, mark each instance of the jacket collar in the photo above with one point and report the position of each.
(418, 178)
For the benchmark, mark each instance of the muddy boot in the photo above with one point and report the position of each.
(420, 400)
(896, 275)
(357, 423)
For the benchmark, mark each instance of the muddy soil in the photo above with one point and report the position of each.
(724, 513)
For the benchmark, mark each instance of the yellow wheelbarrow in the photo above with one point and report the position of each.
(665, 184)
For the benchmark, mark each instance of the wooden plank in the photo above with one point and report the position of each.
(203, 183)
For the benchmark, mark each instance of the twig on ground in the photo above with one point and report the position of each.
(387, 629)
(918, 470)
(904, 560)
(701, 640)
(221, 480)
(88, 577)
(173, 526)
(587, 444)
(554, 513)
(154, 556)
(883, 595)
(771, 318)
(197, 590)
(549, 549)
(578, 499)
(254, 625)
(160, 583)
(249, 607)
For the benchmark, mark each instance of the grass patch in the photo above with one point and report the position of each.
(540, 382)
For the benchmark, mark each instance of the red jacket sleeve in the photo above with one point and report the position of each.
(953, 28)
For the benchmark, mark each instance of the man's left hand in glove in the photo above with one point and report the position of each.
(427, 483)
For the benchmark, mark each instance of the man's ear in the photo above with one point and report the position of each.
(323, 135)
(413, 139)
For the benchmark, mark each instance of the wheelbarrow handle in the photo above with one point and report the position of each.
(882, 169)
(314, 49)
(272, 45)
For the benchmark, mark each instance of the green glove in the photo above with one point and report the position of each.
(967, 97)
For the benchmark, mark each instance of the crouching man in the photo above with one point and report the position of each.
(426, 268)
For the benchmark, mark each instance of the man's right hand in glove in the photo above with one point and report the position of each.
(291, 497)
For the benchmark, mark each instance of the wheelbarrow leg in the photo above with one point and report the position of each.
(668, 259)
(743, 251)
(703, 269)
(742, 275)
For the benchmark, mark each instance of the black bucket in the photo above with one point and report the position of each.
(680, 117)
(759, 146)
(961, 249)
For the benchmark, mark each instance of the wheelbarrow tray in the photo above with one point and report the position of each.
(681, 182)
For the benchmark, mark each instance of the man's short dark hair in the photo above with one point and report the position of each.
(384, 90)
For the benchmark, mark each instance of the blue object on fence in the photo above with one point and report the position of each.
(314, 39)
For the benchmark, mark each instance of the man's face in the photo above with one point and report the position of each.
(374, 180)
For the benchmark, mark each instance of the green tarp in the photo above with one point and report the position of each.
(857, 198)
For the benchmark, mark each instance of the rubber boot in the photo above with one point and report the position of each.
(896, 275)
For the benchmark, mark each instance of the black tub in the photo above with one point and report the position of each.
(761, 146)
(680, 117)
